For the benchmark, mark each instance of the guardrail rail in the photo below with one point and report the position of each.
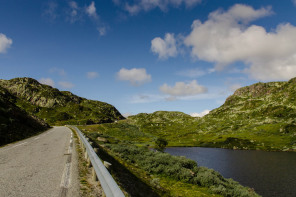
(110, 187)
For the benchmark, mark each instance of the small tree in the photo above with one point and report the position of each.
(160, 144)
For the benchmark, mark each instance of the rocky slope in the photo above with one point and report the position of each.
(15, 123)
(58, 107)
(260, 116)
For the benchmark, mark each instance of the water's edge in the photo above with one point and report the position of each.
(269, 173)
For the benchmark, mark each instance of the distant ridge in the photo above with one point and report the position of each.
(58, 107)
(259, 116)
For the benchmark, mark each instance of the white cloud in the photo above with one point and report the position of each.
(193, 73)
(5, 43)
(146, 98)
(226, 38)
(183, 89)
(51, 10)
(164, 47)
(102, 30)
(136, 76)
(66, 84)
(234, 87)
(127, 114)
(147, 5)
(92, 75)
(91, 10)
(201, 114)
(74, 12)
(47, 81)
(151, 98)
(294, 2)
(58, 71)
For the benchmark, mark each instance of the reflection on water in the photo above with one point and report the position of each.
(269, 173)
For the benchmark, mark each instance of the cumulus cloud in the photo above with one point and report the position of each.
(47, 81)
(51, 10)
(92, 75)
(127, 114)
(66, 84)
(5, 43)
(91, 10)
(58, 71)
(164, 47)
(201, 114)
(147, 98)
(102, 30)
(74, 13)
(136, 76)
(183, 89)
(147, 5)
(195, 72)
(226, 37)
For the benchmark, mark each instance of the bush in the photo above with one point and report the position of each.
(180, 168)
(160, 144)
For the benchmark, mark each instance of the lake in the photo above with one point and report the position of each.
(269, 173)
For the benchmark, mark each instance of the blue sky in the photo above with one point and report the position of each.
(149, 55)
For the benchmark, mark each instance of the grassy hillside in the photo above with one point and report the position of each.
(58, 107)
(15, 123)
(260, 116)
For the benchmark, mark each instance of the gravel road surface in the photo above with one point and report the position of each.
(43, 165)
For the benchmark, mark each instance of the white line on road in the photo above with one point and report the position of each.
(19, 144)
(36, 138)
(15, 146)
(66, 178)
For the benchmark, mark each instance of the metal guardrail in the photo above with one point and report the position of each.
(110, 187)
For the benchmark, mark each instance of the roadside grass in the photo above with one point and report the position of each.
(88, 188)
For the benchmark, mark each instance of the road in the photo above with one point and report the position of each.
(43, 165)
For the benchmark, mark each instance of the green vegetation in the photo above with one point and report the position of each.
(167, 175)
(58, 107)
(261, 116)
(179, 169)
(15, 123)
(160, 144)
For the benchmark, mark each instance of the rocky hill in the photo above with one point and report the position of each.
(15, 123)
(58, 107)
(260, 116)
(161, 123)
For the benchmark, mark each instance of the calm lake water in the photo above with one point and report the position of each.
(269, 173)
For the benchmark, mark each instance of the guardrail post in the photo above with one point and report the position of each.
(96, 150)
(94, 175)
(85, 155)
(89, 163)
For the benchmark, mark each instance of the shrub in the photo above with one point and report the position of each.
(160, 144)
(179, 168)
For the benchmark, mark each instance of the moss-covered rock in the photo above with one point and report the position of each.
(58, 107)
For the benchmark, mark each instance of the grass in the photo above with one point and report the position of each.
(87, 187)
(165, 174)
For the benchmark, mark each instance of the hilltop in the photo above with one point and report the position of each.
(58, 107)
(15, 123)
(259, 116)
